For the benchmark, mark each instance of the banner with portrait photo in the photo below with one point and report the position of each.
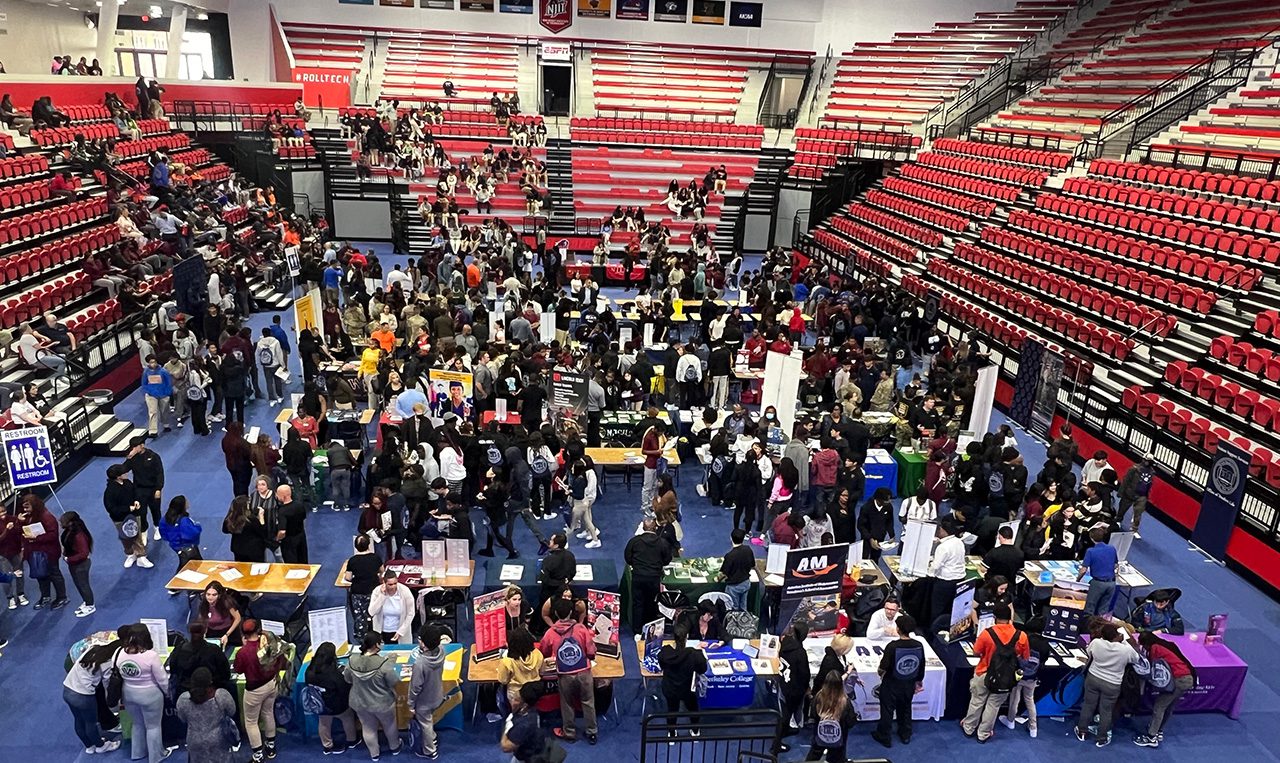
(708, 12)
(595, 9)
(604, 620)
(450, 392)
(671, 10)
(811, 587)
(632, 10)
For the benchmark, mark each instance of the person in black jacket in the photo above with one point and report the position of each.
(198, 653)
(291, 526)
(736, 568)
(148, 479)
(558, 567)
(901, 678)
(834, 658)
(324, 674)
(121, 502)
(795, 682)
(706, 625)
(875, 522)
(646, 554)
(680, 663)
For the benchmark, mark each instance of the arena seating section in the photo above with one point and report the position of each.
(418, 64)
(315, 45)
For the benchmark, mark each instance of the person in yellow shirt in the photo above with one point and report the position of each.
(369, 367)
(522, 663)
(384, 337)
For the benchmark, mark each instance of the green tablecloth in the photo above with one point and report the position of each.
(910, 471)
(693, 577)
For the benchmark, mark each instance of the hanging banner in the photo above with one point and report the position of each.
(671, 10)
(451, 392)
(516, 6)
(30, 457)
(708, 12)
(633, 10)
(746, 14)
(1220, 503)
(490, 624)
(483, 6)
(1046, 403)
(604, 618)
(1026, 383)
(597, 9)
(555, 15)
(555, 51)
(307, 313)
(811, 587)
(984, 396)
(321, 86)
(396, 3)
(438, 5)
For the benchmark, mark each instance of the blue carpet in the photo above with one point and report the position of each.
(31, 667)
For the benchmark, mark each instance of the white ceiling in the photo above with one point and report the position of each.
(136, 7)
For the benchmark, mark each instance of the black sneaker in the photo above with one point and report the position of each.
(485, 552)
(41, 604)
(883, 740)
(59, 603)
(1143, 740)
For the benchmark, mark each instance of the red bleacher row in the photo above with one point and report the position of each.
(982, 188)
(1002, 331)
(37, 300)
(1194, 180)
(1092, 299)
(1200, 431)
(1072, 326)
(1158, 287)
(1158, 226)
(875, 239)
(1182, 205)
(19, 266)
(1227, 274)
(23, 194)
(46, 221)
(917, 211)
(868, 262)
(1052, 159)
(899, 225)
(21, 166)
(957, 201)
(50, 137)
(1261, 361)
(980, 167)
(667, 132)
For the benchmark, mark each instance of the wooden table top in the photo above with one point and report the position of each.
(658, 674)
(278, 578)
(618, 457)
(449, 581)
(608, 668)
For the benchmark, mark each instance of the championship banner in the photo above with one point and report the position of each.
(491, 624)
(320, 86)
(1046, 402)
(708, 12)
(811, 587)
(567, 392)
(671, 10)
(596, 9)
(438, 5)
(1220, 503)
(450, 392)
(555, 15)
(604, 618)
(746, 14)
(632, 10)
(396, 3)
(1026, 383)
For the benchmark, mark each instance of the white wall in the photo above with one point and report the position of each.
(37, 33)
(848, 21)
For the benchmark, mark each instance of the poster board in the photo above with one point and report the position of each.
(811, 587)
(781, 386)
(567, 393)
(604, 619)
(434, 559)
(917, 547)
(653, 633)
(328, 625)
(457, 557)
(450, 392)
(159, 630)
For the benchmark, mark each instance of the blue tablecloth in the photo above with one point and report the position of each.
(730, 691)
(881, 471)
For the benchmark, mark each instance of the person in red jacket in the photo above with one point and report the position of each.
(756, 349)
(41, 550)
(826, 468)
(781, 345)
(77, 545)
(573, 647)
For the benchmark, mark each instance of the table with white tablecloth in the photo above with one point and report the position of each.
(865, 657)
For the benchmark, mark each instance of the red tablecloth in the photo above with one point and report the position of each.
(512, 418)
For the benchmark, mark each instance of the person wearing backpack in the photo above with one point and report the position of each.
(1109, 654)
(1025, 691)
(834, 715)
(373, 678)
(794, 671)
(270, 354)
(1181, 676)
(689, 375)
(260, 660)
(542, 467)
(326, 694)
(999, 650)
(901, 678)
(573, 648)
(426, 690)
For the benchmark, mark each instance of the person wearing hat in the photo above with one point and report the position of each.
(1134, 489)
(205, 709)
(148, 479)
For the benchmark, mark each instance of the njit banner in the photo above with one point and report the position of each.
(555, 15)
(330, 88)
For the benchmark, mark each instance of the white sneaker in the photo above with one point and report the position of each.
(179, 424)
(85, 611)
(155, 534)
(90, 750)
(129, 560)
(593, 544)
(1008, 723)
(13, 603)
(108, 746)
(582, 535)
(1033, 732)
(145, 563)
(1137, 535)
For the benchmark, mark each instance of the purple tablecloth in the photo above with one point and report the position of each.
(1221, 677)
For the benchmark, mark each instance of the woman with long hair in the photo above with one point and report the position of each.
(219, 612)
(238, 457)
(180, 531)
(145, 683)
(79, 690)
(325, 674)
(77, 547)
(205, 709)
(42, 552)
(247, 530)
(264, 506)
(835, 716)
(522, 663)
(1184, 680)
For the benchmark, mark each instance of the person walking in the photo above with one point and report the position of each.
(373, 677)
(77, 548)
(233, 387)
(260, 660)
(1135, 486)
(325, 675)
(681, 664)
(120, 499)
(1183, 679)
(573, 647)
(582, 489)
(646, 554)
(145, 684)
(999, 649)
(271, 360)
(426, 688)
(206, 709)
(197, 395)
(1109, 654)
(901, 678)
(157, 390)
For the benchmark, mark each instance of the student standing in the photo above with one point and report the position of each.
(736, 569)
(1025, 691)
(1109, 655)
(259, 660)
(794, 671)
(1184, 680)
(998, 648)
(324, 674)
(145, 684)
(901, 678)
(157, 390)
(42, 553)
(291, 518)
(573, 648)
(647, 555)
(426, 689)
(373, 678)
(205, 708)
(1099, 564)
(947, 569)
(834, 716)
(681, 665)
(148, 480)
(364, 570)
(79, 691)
(180, 531)
(77, 547)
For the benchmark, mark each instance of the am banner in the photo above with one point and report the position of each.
(811, 588)
(1221, 501)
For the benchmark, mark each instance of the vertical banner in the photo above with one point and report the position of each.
(555, 15)
(596, 9)
(307, 313)
(451, 392)
(483, 6)
(671, 10)
(708, 12)
(633, 10)
(984, 395)
(490, 624)
(1026, 384)
(1221, 500)
(811, 587)
(1046, 402)
(604, 618)
(746, 14)
(567, 393)
(191, 285)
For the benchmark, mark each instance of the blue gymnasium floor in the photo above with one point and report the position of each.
(38, 725)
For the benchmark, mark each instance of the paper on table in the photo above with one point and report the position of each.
(273, 626)
(762, 666)
(260, 568)
(230, 575)
(697, 578)
(192, 577)
(583, 574)
(773, 580)
(297, 574)
(511, 573)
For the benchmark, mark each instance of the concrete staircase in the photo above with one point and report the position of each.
(749, 106)
(584, 86)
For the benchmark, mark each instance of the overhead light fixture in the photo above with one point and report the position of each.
(157, 11)
(202, 16)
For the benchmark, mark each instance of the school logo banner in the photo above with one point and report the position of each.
(555, 15)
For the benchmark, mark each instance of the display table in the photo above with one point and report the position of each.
(628, 461)
(881, 471)
(603, 576)
(732, 691)
(1127, 576)
(609, 274)
(620, 426)
(447, 716)
(604, 671)
(512, 418)
(865, 658)
(693, 577)
(409, 573)
(972, 569)
(910, 471)
(1059, 691)
(1221, 673)
(277, 577)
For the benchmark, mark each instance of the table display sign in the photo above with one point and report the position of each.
(328, 625)
(457, 556)
(1065, 613)
(604, 618)
(435, 563)
(811, 587)
(653, 633)
(490, 624)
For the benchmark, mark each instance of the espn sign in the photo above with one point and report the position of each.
(555, 15)
(329, 88)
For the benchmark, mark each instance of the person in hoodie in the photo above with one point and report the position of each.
(426, 689)
(180, 531)
(520, 486)
(826, 466)
(573, 647)
(680, 663)
(157, 390)
(1134, 489)
(521, 664)
(373, 677)
(647, 554)
(325, 674)
(794, 670)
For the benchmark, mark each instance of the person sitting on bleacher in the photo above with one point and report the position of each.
(301, 111)
(45, 114)
(35, 351)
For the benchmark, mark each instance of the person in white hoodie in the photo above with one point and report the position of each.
(426, 689)
(271, 359)
(582, 489)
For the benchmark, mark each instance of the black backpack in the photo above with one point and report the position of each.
(1004, 670)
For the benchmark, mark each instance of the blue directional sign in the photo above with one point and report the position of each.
(29, 456)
